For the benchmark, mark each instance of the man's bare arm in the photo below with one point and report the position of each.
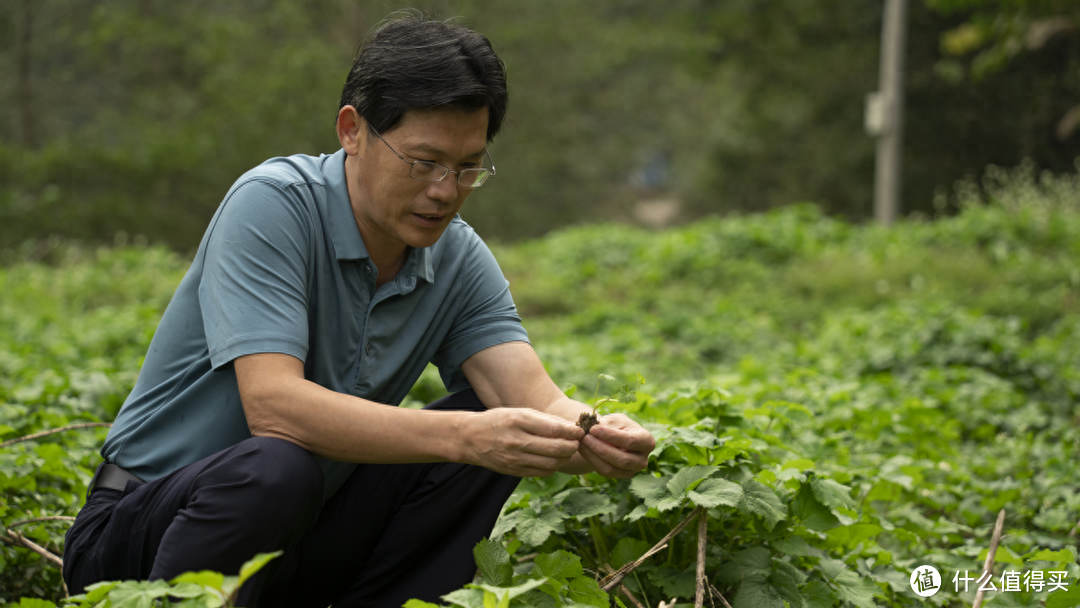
(279, 402)
(511, 376)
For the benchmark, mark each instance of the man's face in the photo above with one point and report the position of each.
(393, 210)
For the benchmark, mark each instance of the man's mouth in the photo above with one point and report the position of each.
(429, 219)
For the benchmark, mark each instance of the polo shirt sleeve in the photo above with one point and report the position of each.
(253, 292)
(487, 316)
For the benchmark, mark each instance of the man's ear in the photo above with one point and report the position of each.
(349, 127)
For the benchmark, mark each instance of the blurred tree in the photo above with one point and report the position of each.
(137, 115)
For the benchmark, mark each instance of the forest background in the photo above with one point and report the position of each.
(134, 117)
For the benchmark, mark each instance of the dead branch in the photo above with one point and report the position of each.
(699, 596)
(18, 540)
(39, 435)
(988, 566)
(613, 580)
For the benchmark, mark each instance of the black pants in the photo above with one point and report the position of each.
(391, 533)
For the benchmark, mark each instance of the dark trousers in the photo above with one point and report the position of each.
(390, 534)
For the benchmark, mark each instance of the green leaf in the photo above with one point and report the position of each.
(755, 561)
(559, 565)
(581, 503)
(850, 587)
(508, 593)
(1064, 599)
(493, 561)
(466, 598)
(813, 514)
(674, 581)
(27, 602)
(253, 565)
(585, 590)
(534, 527)
(204, 578)
(832, 494)
(715, 492)
(794, 545)
(654, 492)
(756, 592)
(759, 499)
(627, 550)
(419, 604)
(817, 594)
(688, 477)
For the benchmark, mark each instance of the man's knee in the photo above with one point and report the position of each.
(269, 471)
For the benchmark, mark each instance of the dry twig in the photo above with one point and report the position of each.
(34, 520)
(699, 596)
(14, 538)
(39, 435)
(613, 580)
(988, 566)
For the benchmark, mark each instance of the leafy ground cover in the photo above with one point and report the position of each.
(836, 404)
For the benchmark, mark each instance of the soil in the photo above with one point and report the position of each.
(587, 420)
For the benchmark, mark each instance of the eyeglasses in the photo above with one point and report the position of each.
(427, 171)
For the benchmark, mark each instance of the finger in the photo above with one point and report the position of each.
(616, 457)
(631, 440)
(601, 465)
(548, 425)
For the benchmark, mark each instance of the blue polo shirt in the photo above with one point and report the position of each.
(282, 269)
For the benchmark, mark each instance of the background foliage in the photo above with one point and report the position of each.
(847, 402)
(136, 115)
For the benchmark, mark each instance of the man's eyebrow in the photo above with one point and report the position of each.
(432, 150)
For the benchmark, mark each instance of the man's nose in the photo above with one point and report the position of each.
(445, 191)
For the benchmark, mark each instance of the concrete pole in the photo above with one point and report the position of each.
(887, 186)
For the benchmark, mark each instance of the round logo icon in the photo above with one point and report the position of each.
(925, 581)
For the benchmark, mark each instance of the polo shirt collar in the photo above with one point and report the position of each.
(348, 244)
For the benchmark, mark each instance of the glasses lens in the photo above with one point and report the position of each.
(428, 172)
(473, 178)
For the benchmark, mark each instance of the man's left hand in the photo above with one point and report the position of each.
(617, 447)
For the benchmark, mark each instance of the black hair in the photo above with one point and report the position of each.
(415, 63)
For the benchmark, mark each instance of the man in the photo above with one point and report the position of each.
(320, 291)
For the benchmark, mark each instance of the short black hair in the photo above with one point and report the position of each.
(416, 63)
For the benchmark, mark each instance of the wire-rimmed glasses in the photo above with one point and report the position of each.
(427, 171)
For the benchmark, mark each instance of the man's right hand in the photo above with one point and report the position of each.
(520, 441)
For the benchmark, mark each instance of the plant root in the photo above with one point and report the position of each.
(587, 420)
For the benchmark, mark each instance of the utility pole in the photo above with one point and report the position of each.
(885, 113)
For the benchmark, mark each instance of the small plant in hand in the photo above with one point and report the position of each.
(587, 420)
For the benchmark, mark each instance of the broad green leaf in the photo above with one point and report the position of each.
(27, 602)
(581, 503)
(628, 549)
(850, 587)
(794, 545)
(850, 536)
(186, 590)
(757, 592)
(205, 578)
(1064, 599)
(761, 500)
(253, 565)
(832, 494)
(508, 593)
(674, 581)
(1046, 555)
(493, 561)
(587, 591)
(638, 512)
(814, 515)
(715, 492)
(419, 604)
(559, 565)
(755, 561)
(1003, 556)
(686, 478)
(654, 492)
(817, 594)
(466, 598)
(534, 527)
